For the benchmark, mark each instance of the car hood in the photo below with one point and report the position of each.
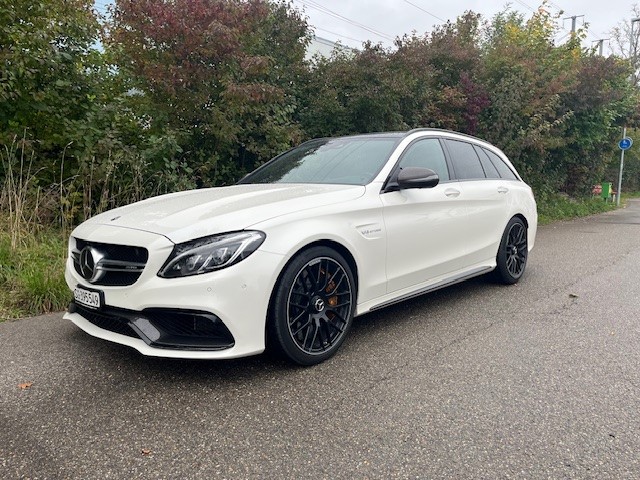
(197, 213)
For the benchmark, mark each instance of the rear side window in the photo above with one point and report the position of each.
(465, 160)
(489, 169)
(426, 153)
(503, 169)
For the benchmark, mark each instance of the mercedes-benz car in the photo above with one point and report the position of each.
(286, 258)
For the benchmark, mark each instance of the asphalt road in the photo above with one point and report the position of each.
(537, 380)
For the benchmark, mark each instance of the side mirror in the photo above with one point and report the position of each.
(417, 177)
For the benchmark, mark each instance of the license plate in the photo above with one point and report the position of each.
(87, 298)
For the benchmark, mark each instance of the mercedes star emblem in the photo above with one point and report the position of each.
(89, 264)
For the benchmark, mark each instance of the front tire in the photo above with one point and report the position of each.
(313, 306)
(513, 252)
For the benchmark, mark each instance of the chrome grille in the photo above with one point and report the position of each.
(117, 265)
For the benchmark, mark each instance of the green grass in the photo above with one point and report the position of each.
(32, 275)
(558, 207)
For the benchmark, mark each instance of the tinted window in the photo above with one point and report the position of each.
(489, 169)
(465, 161)
(426, 153)
(503, 169)
(353, 161)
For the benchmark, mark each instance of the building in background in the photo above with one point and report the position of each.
(324, 48)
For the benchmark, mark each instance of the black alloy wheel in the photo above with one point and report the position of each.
(313, 306)
(513, 251)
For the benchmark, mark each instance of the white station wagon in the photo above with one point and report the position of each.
(334, 228)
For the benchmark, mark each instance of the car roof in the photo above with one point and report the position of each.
(404, 133)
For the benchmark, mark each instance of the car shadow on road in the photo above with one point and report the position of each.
(393, 322)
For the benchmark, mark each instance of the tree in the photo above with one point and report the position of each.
(430, 80)
(526, 75)
(45, 49)
(601, 102)
(443, 71)
(353, 92)
(222, 72)
(624, 42)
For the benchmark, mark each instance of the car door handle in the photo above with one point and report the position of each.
(451, 192)
(503, 189)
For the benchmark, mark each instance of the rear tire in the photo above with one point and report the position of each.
(513, 252)
(313, 306)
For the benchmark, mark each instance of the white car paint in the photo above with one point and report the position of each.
(186, 215)
(402, 242)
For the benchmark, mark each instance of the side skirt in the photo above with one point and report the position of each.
(436, 286)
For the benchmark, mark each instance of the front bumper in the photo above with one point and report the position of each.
(221, 314)
(162, 328)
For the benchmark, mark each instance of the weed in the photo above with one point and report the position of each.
(32, 274)
(556, 207)
(19, 196)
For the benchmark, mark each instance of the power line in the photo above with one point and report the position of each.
(425, 11)
(316, 6)
(327, 11)
(594, 35)
(525, 5)
(558, 7)
(339, 35)
(528, 7)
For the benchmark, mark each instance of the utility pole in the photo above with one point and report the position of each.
(633, 48)
(634, 39)
(600, 44)
(573, 22)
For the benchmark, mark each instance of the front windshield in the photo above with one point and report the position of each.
(351, 161)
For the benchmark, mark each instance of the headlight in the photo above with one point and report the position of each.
(210, 253)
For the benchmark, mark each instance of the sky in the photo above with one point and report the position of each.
(353, 21)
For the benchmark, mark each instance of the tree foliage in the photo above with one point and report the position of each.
(222, 72)
(554, 109)
(45, 51)
(169, 94)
